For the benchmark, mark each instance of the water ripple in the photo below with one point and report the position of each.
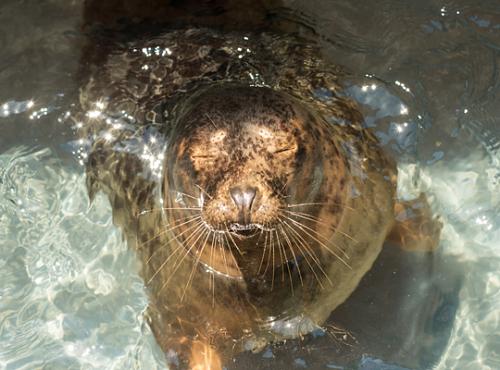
(55, 267)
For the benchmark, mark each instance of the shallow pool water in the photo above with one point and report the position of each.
(426, 77)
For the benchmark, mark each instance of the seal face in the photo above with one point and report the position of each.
(244, 159)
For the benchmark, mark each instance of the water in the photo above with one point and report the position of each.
(426, 77)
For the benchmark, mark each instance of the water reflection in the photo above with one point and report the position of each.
(15, 107)
(68, 296)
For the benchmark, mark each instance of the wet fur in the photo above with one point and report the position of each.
(353, 191)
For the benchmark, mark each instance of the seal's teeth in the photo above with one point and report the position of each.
(243, 227)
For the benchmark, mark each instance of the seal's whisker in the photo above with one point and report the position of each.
(303, 228)
(178, 261)
(197, 262)
(326, 240)
(310, 252)
(221, 247)
(260, 234)
(302, 248)
(272, 260)
(203, 191)
(317, 204)
(182, 246)
(211, 121)
(181, 208)
(194, 234)
(280, 251)
(320, 221)
(228, 244)
(290, 205)
(319, 235)
(157, 250)
(168, 209)
(305, 244)
(164, 231)
(232, 254)
(306, 216)
(171, 227)
(284, 262)
(290, 247)
(264, 252)
(168, 239)
(284, 186)
(164, 263)
(282, 246)
(232, 240)
(187, 195)
(212, 275)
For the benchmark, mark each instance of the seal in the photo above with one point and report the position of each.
(254, 197)
(259, 193)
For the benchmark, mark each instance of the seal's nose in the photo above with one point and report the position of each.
(243, 197)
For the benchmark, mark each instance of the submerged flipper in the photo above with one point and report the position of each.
(204, 356)
(415, 228)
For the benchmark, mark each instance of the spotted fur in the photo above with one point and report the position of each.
(324, 189)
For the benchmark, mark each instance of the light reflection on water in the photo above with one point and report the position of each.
(70, 296)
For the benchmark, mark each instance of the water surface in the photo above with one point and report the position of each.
(426, 76)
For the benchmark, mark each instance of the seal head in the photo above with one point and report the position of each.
(241, 158)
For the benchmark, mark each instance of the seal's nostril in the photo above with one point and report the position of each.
(243, 197)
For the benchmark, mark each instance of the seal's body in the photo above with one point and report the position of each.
(254, 198)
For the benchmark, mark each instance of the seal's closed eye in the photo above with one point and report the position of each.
(201, 156)
(283, 150)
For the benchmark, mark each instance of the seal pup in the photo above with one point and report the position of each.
(254, 202)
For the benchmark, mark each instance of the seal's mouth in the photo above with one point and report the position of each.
(245, 230)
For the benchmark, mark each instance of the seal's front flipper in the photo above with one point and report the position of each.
(204, 356)
(341, 336)
(415, 228)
